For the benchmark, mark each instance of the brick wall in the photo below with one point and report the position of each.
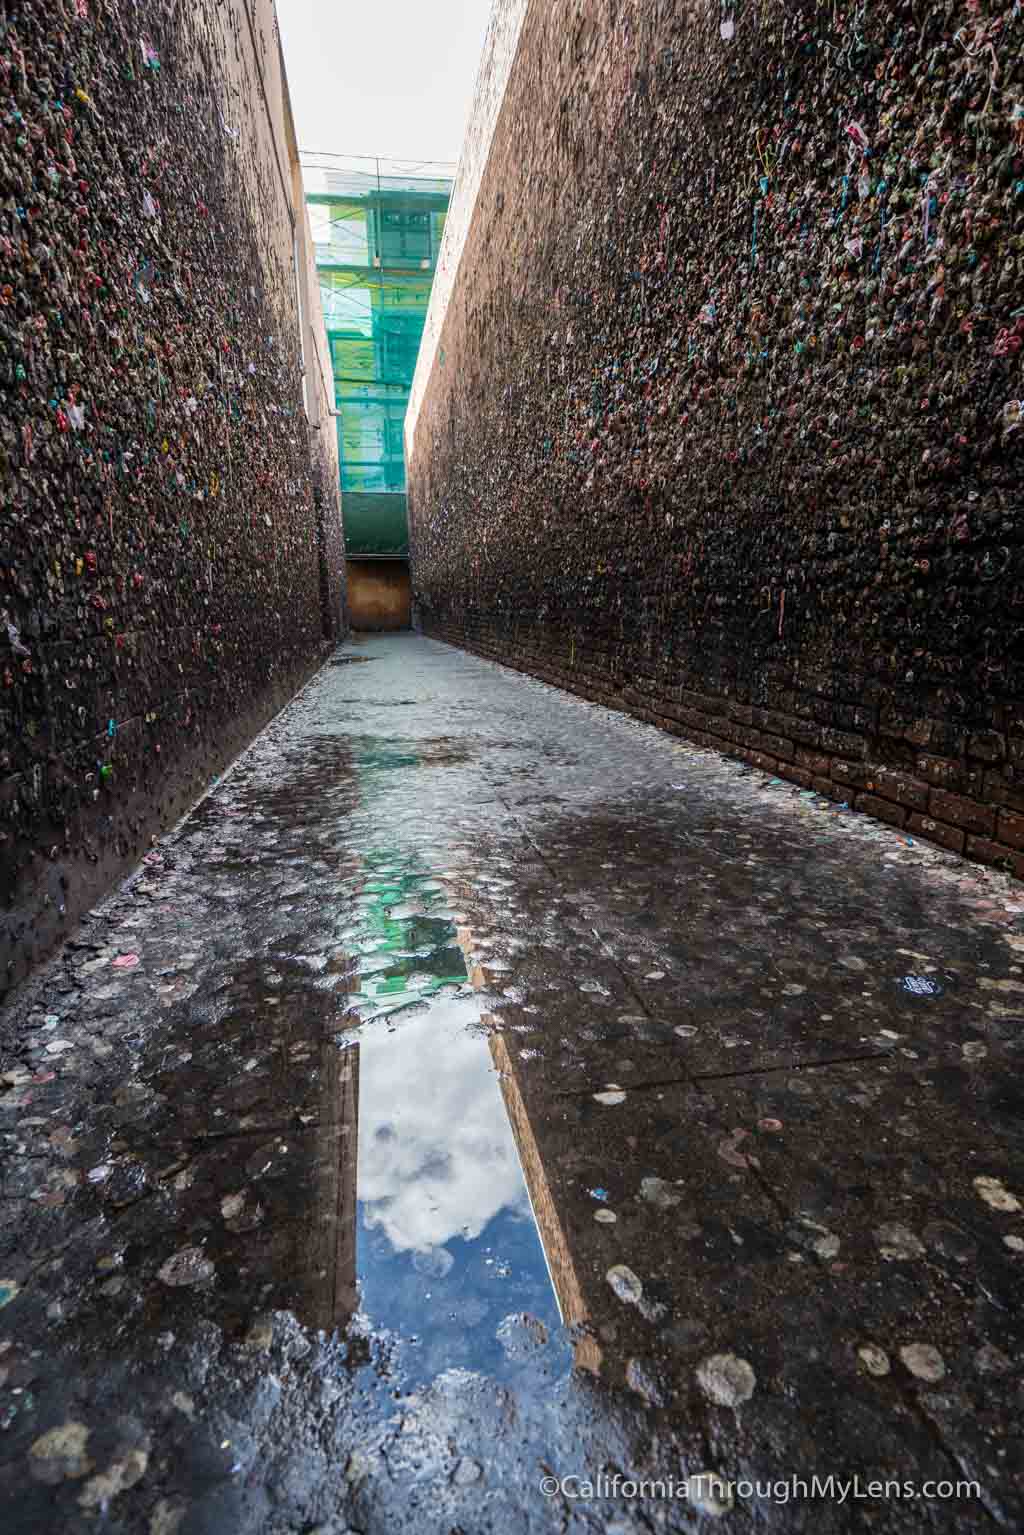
(722, 426)
(170, 542)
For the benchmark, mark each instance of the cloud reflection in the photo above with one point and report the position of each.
(437, 1158)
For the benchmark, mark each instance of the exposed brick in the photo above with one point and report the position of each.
(679, 712)
(842, 744)
(698, 721)
(803, 730)
(1010, 828)
(894, 721)
(919, 733)
(795, 774)
(894, 786)
(854, 774)
(684, 731)
(703, 702)
(941, 772)
(844, 688)
(948, 739)
(881, 809)
(950, 837)
(816, 682)
(778, 747)
(987, 746)
(973, 785)
(849, 717)
(864, 718)
(827, 712)
(828, 789)
(995, 853)
(814, 761)
(962, 812)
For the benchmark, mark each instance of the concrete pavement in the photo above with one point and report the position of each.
(479, 1088)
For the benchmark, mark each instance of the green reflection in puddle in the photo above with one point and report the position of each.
(419, 953)
(380, 758)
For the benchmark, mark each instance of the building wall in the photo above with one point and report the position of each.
(170, 541)
(727, 432)
(379, 595)
(375, 524)
(379, 224)
(318, 394)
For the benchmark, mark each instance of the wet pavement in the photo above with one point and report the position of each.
(481, 1090)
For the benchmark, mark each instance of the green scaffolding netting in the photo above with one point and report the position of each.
(377, 228)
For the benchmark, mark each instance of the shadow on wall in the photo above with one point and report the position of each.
(379, 594)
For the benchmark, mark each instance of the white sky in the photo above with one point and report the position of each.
(372, 79)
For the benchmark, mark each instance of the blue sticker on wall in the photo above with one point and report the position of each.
(921, 986)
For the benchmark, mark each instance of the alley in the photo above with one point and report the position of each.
(479, 1087)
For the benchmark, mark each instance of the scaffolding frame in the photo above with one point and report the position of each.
(377, 228)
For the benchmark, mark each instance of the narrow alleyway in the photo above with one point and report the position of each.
(479, 1087)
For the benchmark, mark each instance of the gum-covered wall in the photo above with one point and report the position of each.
(170, 539)
(723, 421)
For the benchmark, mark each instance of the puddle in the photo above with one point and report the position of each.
(307, 1128)
(447, 1252)
(381, 754)
(404, 953)
(424, 1233)
(334, 1131)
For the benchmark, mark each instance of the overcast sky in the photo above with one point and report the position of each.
(374, 79)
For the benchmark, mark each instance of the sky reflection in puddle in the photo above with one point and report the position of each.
(447, 1248)
(447, 1252)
